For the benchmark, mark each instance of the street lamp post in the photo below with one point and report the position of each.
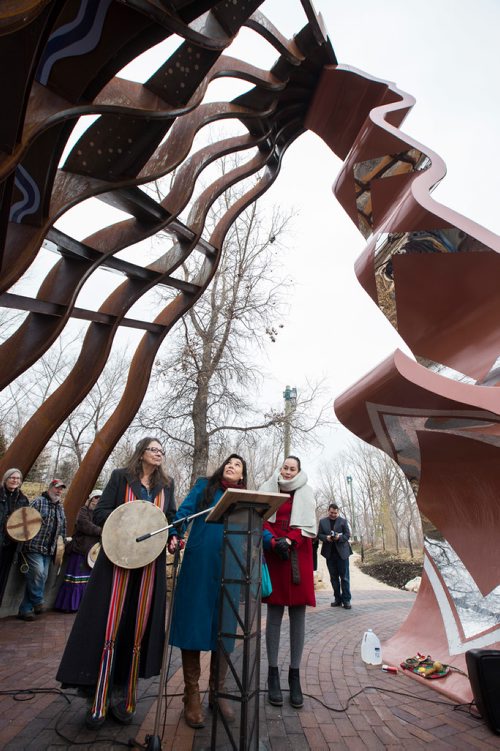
(290, 397)
(353, 516)
(349, 482)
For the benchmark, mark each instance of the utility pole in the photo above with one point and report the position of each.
(290, 397)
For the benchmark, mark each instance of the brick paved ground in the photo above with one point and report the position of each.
(332, 671)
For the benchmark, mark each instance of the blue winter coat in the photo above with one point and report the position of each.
(196, 603)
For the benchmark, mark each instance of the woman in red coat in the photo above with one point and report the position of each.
(288, 537)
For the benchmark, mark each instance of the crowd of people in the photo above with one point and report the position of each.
(120, 612)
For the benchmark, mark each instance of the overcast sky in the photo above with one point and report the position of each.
(446, 54)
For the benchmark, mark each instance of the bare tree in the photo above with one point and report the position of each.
(203, 389)
(65, 450)
(3, 443)
(78, 431)
(329, 488)
(10, 320)
(24, 395)
(384, 510)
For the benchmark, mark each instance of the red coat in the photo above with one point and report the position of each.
(285, 592)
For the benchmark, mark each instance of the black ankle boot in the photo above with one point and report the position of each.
(274, 695)
(296, 698)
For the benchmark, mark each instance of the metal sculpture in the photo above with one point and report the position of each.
(433, 273)
(73, 52)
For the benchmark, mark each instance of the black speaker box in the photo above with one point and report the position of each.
(483, 666)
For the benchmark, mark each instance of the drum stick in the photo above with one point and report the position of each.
(186, 519)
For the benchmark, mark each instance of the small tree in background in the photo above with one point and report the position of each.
(3, 443)
(385, 511)
(40, 471)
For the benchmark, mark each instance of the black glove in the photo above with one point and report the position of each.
(282, 548)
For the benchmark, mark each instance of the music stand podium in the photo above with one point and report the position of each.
(238, 643)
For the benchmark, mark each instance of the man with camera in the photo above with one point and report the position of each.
(334, 533)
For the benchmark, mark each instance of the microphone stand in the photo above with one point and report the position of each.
(185, 519)
(153, 742)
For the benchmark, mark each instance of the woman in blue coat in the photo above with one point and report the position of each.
(196, 603)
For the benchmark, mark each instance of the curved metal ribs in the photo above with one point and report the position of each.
(73, 52)
(435, 275)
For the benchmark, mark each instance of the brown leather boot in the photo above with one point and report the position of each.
(193, 713)
(224, 705)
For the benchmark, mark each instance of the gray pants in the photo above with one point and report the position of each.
(297, 616)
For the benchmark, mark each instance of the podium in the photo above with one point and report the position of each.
(242, 513)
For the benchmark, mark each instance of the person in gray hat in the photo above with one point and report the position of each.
(85, 535)
(11, 499)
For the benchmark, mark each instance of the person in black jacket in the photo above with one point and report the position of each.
(11, 498)
(334, 533)
(119, 630)
(77, 575)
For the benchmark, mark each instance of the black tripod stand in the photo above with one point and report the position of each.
(153, 742)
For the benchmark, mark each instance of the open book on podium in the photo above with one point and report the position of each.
(265, 504)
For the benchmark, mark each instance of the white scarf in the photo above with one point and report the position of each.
(303, 506)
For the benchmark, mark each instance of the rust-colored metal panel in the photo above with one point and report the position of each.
(448, 306)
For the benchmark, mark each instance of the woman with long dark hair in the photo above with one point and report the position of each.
(196, 603)
(11, 498)
(287, 539)
(119, 630)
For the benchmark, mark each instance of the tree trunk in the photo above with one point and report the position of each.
(201, 440)
(408, 531)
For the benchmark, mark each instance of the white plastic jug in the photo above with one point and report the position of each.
(371, 652)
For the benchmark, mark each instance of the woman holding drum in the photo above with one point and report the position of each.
(119, 630)
(11, 499)
(85, 535)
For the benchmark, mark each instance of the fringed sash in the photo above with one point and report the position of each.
(118, 592)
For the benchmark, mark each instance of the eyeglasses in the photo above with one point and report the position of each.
(156, 451)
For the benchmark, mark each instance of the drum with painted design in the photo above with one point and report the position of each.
(23, 524)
